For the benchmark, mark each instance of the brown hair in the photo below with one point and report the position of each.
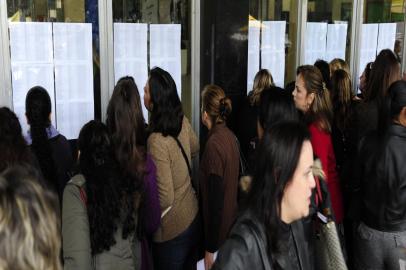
(385, 70)
(263, 79)
(338, 63)
(320, 110)
(341, 96)
(216, 104)
(29, 222)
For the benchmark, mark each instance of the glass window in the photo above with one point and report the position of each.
(278, 38)
(328, 30)
(383, 21)
(68, 63)
(162, 12)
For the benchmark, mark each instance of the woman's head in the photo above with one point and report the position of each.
(38, 107)
(312, 97)
(162, 100)
(385, 70)
(216, 107)
(341, 87)
(397, 97)
(324, 68)
(29, 222)
(276, 105)
(126, 124)
(263, 79)
(338, 63)
(12, 144)
(363, 79)
(283, 180)
(110, 194)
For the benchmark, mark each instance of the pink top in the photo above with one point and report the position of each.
(323, 149)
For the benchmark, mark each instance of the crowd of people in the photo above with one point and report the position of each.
(129, 197)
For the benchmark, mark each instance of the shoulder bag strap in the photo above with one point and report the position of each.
(184, 156)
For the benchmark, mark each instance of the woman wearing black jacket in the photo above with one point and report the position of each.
(380, 238)
(280, 194)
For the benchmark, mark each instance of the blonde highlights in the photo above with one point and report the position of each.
(337, 64)
(263, 79)
(29, 223)
(321, 109)
(215, 103)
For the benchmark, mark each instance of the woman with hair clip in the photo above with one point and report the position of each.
(219, 171)
(280, 194)
(380, 238)
(126, 125)
(312, 98)
(363, 80)
(29, 222)
(101, 223)
(172, 144)
(50, 147)
(248, 113)
(14, 149)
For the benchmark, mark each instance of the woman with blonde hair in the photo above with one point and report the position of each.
(248, 112)
(338, 63)
(312, 98)
(29, 222)
(219, 170)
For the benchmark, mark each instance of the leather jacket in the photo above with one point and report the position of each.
(246, 247)
(382, 180)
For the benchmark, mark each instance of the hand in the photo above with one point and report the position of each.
(404, 76)
(208, 260)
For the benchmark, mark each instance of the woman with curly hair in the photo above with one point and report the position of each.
(126, 125)
(172, 144)
(14, 149)
(99, 214)
(50, 147)
(29, 222)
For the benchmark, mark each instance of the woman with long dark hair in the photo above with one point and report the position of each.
(312, 98)
(280, 194)
(14, 149)
(219, 171)
(172, 144)
(99, 214)
(126, 125)
(380, 238)
(50, 147)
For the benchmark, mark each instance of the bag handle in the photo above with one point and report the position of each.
(184, 156)
(319, 197)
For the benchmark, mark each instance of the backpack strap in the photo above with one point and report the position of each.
(184, 156)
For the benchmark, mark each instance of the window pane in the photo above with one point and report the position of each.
(73, 47)
(162, 12)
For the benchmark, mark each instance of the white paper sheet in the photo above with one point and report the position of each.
(165, 50)
(253, 52)
(315, 45)
(273, 50)
(336, 41)
(131, 55)
(386, 36)
(369, 37)
(31, 63)
(73, 76)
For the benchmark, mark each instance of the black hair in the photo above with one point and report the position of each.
(396, 98)
(167, 113)
(276, 105)
(277, 160)
(14, 149)
(324, 68)
(111, 197)
(38, 110)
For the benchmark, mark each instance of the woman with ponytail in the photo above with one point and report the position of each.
(219, 171)
(50, 148)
